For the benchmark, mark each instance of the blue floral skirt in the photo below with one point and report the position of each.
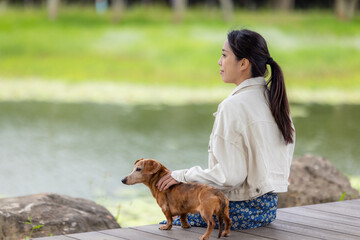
(248, 214)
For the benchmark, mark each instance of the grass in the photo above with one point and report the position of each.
(315, 50)
(136, 208)
(33, 227)
(33, 89)
(355, 182)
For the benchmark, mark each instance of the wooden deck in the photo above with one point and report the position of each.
(337, 220)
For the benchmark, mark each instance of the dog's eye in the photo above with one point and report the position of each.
(138, 169)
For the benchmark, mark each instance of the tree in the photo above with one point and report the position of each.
(283, 5)
(3, 6)
(146, 2)
(227, 7)
(345, 9)
(53, 8)
(118, 9)
(179, 7)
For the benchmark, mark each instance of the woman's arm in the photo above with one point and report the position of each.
(229, 171)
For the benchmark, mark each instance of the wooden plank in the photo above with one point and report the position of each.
(93, 236)
(277, 234)
(133, 234)
(309, 231)
(174, 233)
(352, 201)
(355, 202)
(338, 220)
(199, 232)
(336, 207)
(330, 217)
(336, 228)
(233, 234)
(59, 237)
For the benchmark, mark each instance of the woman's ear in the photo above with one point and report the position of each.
(151, 166)
(245, 67)
(245, 63)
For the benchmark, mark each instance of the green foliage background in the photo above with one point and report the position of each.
(314, 48)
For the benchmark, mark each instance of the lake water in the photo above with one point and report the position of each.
(84, 150)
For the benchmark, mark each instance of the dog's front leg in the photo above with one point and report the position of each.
(169, 219)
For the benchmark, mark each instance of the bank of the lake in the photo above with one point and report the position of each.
(106, 92)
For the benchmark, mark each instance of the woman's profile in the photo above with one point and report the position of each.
(252, 141)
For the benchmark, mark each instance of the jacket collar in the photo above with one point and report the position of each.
(257, 81)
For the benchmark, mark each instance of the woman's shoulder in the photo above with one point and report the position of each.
(231, 108)
(249, 106)
(241, 101)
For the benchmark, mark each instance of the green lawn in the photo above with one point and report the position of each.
(315, 50)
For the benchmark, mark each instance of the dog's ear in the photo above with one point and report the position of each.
(151, 166)
(138, 160)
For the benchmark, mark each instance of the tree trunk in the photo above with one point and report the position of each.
(283, 5)
(118, 9)
(345, 9)
(179, 7)
(210, 4)
(3, 6)
(28, 4)
(53, 9)
(146, 2)
(227, 7)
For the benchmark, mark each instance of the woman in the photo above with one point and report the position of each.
(252, 142)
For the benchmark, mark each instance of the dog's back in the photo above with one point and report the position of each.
(187, 197)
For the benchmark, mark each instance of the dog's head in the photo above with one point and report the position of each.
(143, 170)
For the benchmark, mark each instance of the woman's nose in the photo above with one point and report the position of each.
(219, 62)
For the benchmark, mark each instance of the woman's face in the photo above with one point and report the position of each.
(231, 69)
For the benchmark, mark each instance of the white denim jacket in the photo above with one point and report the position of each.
(248, 156)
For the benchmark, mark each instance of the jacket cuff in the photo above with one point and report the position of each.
(179, 175)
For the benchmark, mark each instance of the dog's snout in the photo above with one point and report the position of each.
(124, 180)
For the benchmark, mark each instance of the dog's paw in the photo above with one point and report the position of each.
(166, 227)
(203, 237)
(225, 234)
(185, 225)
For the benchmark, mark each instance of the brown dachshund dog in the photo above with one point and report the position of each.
(183, 198)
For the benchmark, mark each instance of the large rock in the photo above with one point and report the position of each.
(315, 180)
(58, 215)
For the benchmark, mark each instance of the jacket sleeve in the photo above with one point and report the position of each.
(229, 170)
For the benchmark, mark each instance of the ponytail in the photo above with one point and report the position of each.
(279, 104)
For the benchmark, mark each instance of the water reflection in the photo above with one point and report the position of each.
(79, 149)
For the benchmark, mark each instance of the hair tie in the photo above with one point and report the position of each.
(270, 60)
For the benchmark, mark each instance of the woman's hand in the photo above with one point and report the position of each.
(166, 181)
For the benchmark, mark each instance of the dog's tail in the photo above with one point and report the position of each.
(221, 213)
